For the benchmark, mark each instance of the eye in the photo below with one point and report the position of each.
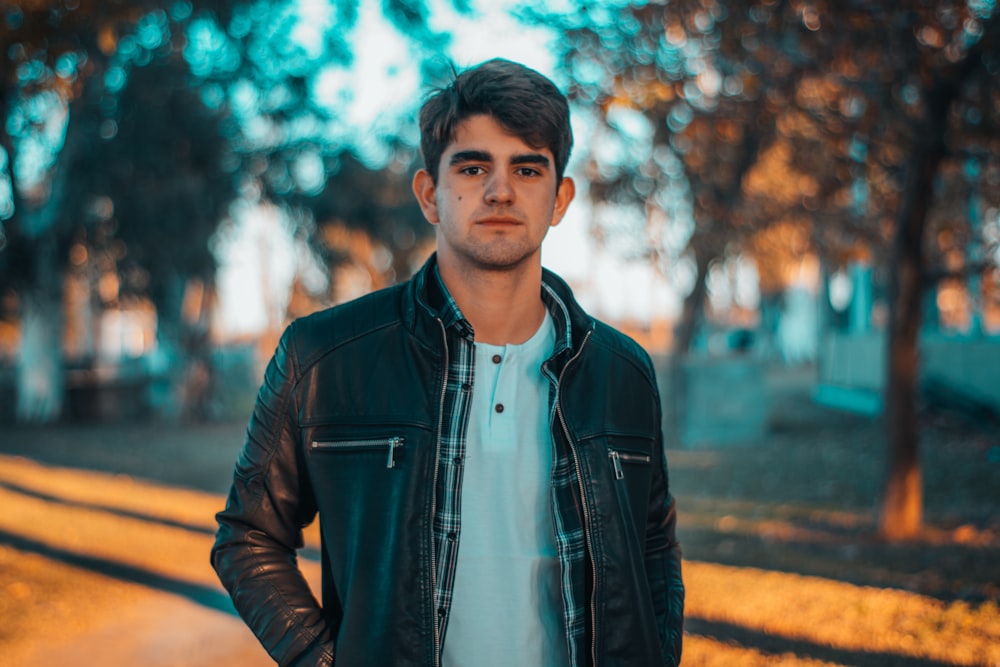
(528, 171)
(471, 170)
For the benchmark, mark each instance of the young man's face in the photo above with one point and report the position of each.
(494, 200)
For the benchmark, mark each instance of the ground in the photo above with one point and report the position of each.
(105, 532)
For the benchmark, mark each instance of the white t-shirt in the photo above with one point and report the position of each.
(507, 604)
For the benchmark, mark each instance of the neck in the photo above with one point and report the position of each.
(503, 307)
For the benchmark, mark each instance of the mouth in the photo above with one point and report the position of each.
(498, 222)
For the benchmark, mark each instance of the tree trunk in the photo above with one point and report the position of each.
(902, 499)
(694, 306)
(687, 327)
(39, 367)
(901, 513)
(40, 372)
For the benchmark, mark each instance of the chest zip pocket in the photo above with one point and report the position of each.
(618, 457)
(390, 444)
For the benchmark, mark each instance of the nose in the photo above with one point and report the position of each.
(499, 189)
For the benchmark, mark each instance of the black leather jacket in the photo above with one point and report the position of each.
(371, 371)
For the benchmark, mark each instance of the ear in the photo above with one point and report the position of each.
(424, 190)
(564, 196)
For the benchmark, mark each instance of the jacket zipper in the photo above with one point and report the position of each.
(617, 458)
(583, 501)
(391, 444)
(437, 460)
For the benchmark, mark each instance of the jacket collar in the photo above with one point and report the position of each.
(572, 322)
(427, 300)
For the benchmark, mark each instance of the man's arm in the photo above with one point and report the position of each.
(261, 527)
(663, 556)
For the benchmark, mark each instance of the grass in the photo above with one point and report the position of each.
(784, 563)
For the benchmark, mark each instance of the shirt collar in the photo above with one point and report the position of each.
(451, 315)
(447, 309)
(560, 317)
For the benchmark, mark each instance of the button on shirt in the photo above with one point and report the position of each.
(506, 604)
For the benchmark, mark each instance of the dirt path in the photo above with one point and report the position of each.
(112, 568)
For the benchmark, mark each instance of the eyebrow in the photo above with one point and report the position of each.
(484, 156)
(470, 156)
(530, 158)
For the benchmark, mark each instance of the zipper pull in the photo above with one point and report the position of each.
(616, 460)
(393, 443)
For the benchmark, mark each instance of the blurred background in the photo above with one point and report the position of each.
(794, 205)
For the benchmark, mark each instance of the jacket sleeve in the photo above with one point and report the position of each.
(261, 527)
(663, 556)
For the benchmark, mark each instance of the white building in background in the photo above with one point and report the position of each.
(126, 334)
(798, 327)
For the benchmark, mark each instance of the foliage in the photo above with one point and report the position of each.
(72, 109)
(380, 203)
(276, 100)
(127, 129)
(798, 113)
(158, 187)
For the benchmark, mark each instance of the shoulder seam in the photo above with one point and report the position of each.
(637, 357)
(327, 349)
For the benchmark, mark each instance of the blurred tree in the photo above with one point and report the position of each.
(951, 57)
(379, 202)
(904, 99)
(296, 84)
(52, 57)
(707, 110)
(313, 133)
(862, 124)
(134, 119)
(66, 73)
(165, 180)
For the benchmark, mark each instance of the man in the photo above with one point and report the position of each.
(485, 459)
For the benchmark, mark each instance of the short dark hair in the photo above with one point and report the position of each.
(523, 101)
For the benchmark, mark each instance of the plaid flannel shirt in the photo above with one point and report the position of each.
(565, 486)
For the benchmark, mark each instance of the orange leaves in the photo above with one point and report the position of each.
(775, 178)
(107, 40)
